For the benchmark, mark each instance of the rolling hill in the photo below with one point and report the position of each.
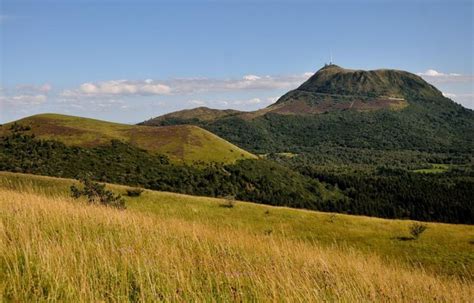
(379, 109)
(182, 144)
(170, 247)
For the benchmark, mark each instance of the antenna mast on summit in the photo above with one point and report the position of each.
(330, 59)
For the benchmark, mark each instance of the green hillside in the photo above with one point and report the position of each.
(186, 144)
(380, 109)
(199, 114)
(333, 79)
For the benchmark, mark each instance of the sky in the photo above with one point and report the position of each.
(128, 61)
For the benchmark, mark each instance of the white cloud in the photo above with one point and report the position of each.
(449, 95)
(23, 99)
(434, 76)
(431, 73)
(247, 102)
(251, 77)
(150, 87)
(248, 82)
(117, 88)
(24, 95)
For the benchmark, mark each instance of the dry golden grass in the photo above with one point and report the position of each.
(56, 249)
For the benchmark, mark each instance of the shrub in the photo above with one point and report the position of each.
(229, 201)
(416, 229)
(16, 127)
(134, 192)
(97, 194)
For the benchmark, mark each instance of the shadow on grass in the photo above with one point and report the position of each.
(226, 205)
(403, 238)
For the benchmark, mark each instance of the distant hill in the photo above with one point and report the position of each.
(180, 143)
(199, 114)
(380, 109)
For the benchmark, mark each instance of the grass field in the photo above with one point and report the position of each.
(181, 248)
(183, 143)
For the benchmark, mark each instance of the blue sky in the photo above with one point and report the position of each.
(130, 60)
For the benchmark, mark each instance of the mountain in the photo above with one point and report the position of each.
(186, 143)
(378, 109)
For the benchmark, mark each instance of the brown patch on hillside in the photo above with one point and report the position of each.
(165, 139)
(56, 130)
(47, 127)
(299, 107)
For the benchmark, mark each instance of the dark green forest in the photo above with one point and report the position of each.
(358, 188)
(253, 180)
(428, 127)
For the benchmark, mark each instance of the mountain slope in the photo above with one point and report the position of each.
(380, 109)
(180, 143)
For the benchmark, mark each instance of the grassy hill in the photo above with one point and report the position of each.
(378, 109)
(199, 114)
(175, 247)
(180, 143)
(333, 79)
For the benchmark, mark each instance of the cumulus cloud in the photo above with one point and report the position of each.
(449, 95)
(25, 95)
(251, 77)
(247, 82)
(147, 87)
(178, 86)
(435, 76)
(101, 96)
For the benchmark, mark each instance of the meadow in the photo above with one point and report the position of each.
(172, 247)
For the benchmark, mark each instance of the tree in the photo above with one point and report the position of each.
(416, 229)
(97, 194)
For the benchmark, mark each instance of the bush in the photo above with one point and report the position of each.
(16, 127)
(416, 229)
(229, 202)
(134, 192)
(97, 194)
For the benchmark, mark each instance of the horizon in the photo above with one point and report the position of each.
(123, 62)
